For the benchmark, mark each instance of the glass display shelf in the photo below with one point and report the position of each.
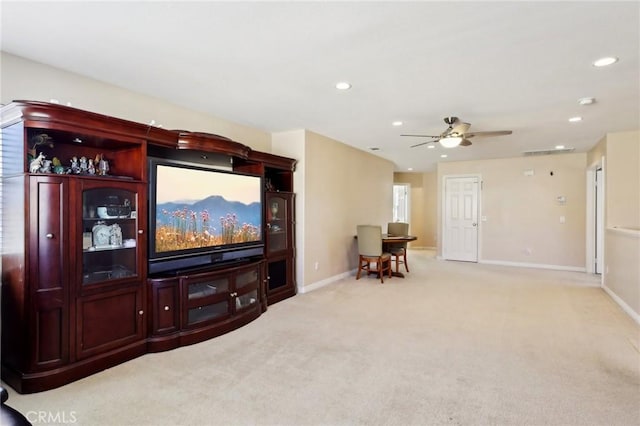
(109, 232)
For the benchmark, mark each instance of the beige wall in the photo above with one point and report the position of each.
(622, 179)
(23, 79)
(344, 187)
(622, 216)
(423, 199)
(337, 187)
(522, 211)
(622, 272)
(594, 156)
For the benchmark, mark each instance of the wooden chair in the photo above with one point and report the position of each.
(370, 251)
(398, 250)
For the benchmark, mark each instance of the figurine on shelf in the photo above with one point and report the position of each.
(75, 167)
(57, 166)
(36, 163)
(115, 238)
(46, 166)
(102, 164)
(91, 169)
(83, 165)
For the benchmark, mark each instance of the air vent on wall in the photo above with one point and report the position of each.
(547, 152)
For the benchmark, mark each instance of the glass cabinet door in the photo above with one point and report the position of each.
(207, 297)
(109, 234)
(277, 211)
(246, 287)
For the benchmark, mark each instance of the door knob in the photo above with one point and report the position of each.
(474, 224)
(49, 236)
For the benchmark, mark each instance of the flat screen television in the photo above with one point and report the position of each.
(201, 216)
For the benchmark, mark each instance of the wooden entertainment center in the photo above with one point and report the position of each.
(77, 297)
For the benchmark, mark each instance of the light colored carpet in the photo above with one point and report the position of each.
(452, 344)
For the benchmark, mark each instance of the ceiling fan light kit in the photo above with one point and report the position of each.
(450, 141)
(456, 134)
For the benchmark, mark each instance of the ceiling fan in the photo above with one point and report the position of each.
(456, 134)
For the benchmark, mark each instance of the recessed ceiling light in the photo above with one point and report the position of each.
(410, 169)
(575, 119)
(444, 156)
(374, 148)
(343, 85)
(586, 101)
(431, 146)
(397, 123)
(603, 62)
(559, 146)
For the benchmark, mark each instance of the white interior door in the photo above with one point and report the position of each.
(460, 233)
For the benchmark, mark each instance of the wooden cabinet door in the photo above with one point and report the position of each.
(49, 271)
(280, 283)
(109, 320)
(165, 303)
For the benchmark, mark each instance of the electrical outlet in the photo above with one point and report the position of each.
(316, 265)
(527, 251)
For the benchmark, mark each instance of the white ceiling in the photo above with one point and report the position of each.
(518, 66)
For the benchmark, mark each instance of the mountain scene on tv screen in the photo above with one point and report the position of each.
(209, 222)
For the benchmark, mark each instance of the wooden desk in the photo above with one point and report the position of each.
(390, 239)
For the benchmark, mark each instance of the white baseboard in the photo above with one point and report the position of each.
(629, 311)
(534, 265)
(325, 282)
(528, 265)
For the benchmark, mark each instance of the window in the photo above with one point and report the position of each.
(401, 202)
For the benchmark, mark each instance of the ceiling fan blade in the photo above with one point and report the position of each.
(484, 134)
(423, 136)
(465, 142)
(420, 144)
(460, 128)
